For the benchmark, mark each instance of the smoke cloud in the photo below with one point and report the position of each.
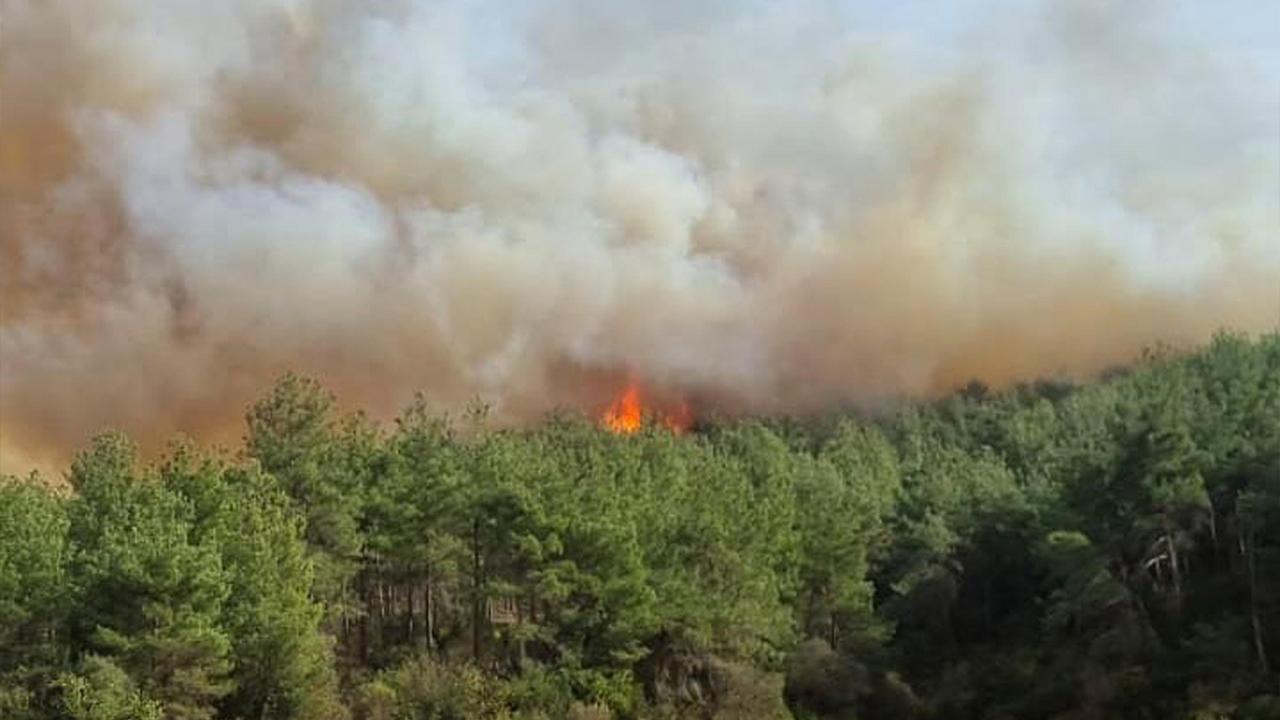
(766, 206)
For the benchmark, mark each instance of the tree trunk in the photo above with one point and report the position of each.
(373, 608)
(1254, 616)
(520, 618)
(364, 621)
(1174, 568)
(477, 601)
(1213, 530)
(410, 614)
(428, 612)
(380, 603)
(344, 620)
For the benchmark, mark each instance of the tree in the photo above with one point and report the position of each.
(295, 437)
(413, 521)
(282, 662)
(1109, 549)
(34, 590)
(149, 597)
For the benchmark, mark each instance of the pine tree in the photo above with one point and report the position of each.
(149, 595)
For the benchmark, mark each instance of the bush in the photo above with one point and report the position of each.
(425, 689)
(822, 681)
(578, 711)
(376, 700)
(539, 690)
(101, 690)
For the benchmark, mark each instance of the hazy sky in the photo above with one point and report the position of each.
(760, 206)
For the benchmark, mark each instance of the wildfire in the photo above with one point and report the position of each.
(627, 413)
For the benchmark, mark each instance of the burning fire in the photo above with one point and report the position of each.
(627, 413)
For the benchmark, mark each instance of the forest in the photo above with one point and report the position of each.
(1071, 550)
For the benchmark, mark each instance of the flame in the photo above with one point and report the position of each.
(628, 411)
(625, 414)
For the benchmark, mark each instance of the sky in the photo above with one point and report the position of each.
(758, 207)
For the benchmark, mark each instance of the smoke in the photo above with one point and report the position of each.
(766, 206)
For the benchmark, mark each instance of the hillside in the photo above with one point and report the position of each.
(1103, 550)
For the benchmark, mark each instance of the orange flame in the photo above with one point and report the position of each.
(627, 413)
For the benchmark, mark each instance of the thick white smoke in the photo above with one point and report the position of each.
(767, 206)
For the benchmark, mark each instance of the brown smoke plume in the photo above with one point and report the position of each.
(762, 204)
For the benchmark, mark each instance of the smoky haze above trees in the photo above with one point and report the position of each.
(771, 207)
(1101, 550)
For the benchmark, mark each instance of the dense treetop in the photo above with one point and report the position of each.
(1053, 550)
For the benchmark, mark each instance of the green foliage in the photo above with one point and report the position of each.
(426, 689)
(101, 690)
(317, 459)
(34, 589)
(148, 594)
(282, 664)
(33, 578)
(1109, 549)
